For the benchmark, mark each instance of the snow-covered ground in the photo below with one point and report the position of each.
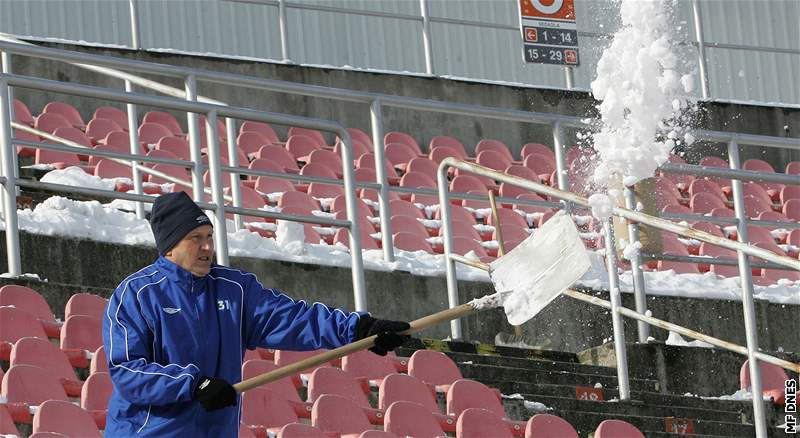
(59, 216)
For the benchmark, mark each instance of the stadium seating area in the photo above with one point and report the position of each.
(415, 225)
(55, 381)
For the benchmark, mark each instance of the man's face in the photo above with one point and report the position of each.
(195, 251)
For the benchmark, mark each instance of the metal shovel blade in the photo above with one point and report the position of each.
(534, 273)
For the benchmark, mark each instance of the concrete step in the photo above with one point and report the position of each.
(485, 373)
(486, 349)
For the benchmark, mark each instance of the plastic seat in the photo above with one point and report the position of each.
(298, 199)
(245, 432)
(329, 380)
(28, 385)
(119, 116)
(178, 146)
(617, 429)
(108, 169)
(530, 208)
(494, 145)
(789, 192)
(549, 426)
(359, 136)
(480, 423)
(367, 161)
(706, 186)
(540, 165)
(719, 252)
(280, 156)
(327, 159)
(16, 324)
(399, 207)
(299, 430)
(340, 204)
(41, 353)
(266, 410)
(22, 150)
(464, 394)
(402, 137)
(57, 159)
(95, 394)
(403, 387)
(419, 181)
(286, 357)
(337, 414)
(27, 299)
(367, 242)
(121, 141)
(408, 224)
(448, 142)
(164, 119)
(405, 418)
(399, 154)
(493, 160)
(757, 165)
(300, 146)
(465, 183)
(112, 170)
(262, 128)
(681, 181)
(508, 217)
(268, 185)
(98, 363)
(423, 165)
(512, 233)
(250, 142)
(266, 165)
(791, 209)
(412, 242)
(439, 153)
(703, 203)
(49, 122)
(368, 365)
(81, 332)
(151, 133)
(671, 246)
(457, 214)
(316, 136)
(434, 367)
(284, 388)
(22, 114)
(98, 129)
(7, 426)
(69, 112)
(724, 183)
(462, 229)
(538, 148)
(64, 417)
(174, 171)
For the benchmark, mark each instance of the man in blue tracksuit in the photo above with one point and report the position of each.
(175, 332)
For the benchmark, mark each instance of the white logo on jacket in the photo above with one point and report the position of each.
(171, 310)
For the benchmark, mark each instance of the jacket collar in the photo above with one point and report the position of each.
(176, 273)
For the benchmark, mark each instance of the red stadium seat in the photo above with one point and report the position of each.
(457, 214)
(405, 418)
(28, 385)
(403, 387)
(164, 119)
(423, 165)
(7, 426)
(408, 224)
(262, 128)
(108, 169)
(329, 380)
(359, 148)
(81, 332)
(298, 430)
(268, 185)
(368, 365)
(540, 165)
(359, 136)
(22, 114)
(41, 353)
(493, 160)
(280, 156)
(493, 145)
(49, 122)
(95, 394)
(462, 229)
(16, 324)
(399, 207)
(22, 150)
(327, 159)
(789, 192)
(480, 423)
(508, 217)
(412, 242)
(313, 134)
(757, 165)
(719, 252)
(538, 148)
(616, 429)
(66, 418)
(531, 208)
(434, 368)
(178, 146)
(791, 209)
(297, 199)
(337, 414)
(245, 432)
(121, 141)
(98, 129)
(117, 115)
(439, 153)
(419, 181)
(69, 112)
(98, 364)
(174, 171)
(671, 246)
(300, 146)
(57, 159)
(367, 242)
(151, 133)
(448, 142)
(250, 142)
(465, 183)
(464, 394)
(402, 137)
(549, 426)
(367, 161)
(286, 357)
(706, 186)
(29, 300)
(283, 388)
(703, 203)
(264, 411)
(399, 154)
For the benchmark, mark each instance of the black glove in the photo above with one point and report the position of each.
(214, 394)
(387, 339)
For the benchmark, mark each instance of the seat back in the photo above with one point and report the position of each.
(64, 417)
(329, 380)
(316, 136)
(17, 323)
(368, 365)
(399, 153)
(480, 423)
(164, 119)
(42, 353)
(117, 115)
(283, 388)
(299, 430)
(334, 413)
(262, 128)
(772, 376)
(617, 429)
(549, 426)
(538, 148)
(405, 418)
(464, 394)
(82, 332)
(96, 392)
(85, 304)
(32, 385)
(262, 407)
(433, 367)
(402, 137)
(397, 387)
(151, 133)
(66, 110)
(26, 299)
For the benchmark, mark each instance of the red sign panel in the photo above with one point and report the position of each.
(549, 9)
(587, 393)
(549, 31)
(680, 426)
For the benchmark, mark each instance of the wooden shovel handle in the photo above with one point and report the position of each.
(362, 344)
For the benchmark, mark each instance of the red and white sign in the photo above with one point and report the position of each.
(549, 31)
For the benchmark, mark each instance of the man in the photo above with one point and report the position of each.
(175, 332)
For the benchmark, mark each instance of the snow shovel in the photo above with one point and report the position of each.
(525, 279)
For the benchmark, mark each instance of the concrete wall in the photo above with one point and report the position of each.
(422, 125)
(566, 325)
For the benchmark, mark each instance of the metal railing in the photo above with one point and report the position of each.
(743, 250)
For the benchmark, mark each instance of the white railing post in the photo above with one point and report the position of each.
(353, 215)
(5, 60)
(746, 279)
(10, 185)
(136, 42)
(623, 383)
(639, 292)
(284, 30)
(194, 139)
(447, 240)
(133, 139)
(217, 198)
(233, 160)
(701, 48)
(426, 36)
(376, 119)
(569, 77)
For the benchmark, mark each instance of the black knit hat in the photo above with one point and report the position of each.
(174, 215)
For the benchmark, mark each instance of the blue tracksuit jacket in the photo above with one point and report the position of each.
(165, 328)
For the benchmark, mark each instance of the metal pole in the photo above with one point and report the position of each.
(136, 42)
(701, 48)
(194, 139)
(745, 275)
(233, 159)
(426, 36)
(5, 57)
(561, 157)
(357, 269)
(133, 139)
(220, 229)
(569, 75)
(9, 192)
(639, 292)
(616, 317)
(447, 240)
(376, 119)
(284, 29)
